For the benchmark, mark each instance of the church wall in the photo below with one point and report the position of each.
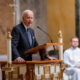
(61, 15)
(6, 23)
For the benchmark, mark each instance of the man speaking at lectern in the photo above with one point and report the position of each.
(23, 37)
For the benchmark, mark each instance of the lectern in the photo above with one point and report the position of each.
(45, 69)
(44, 49)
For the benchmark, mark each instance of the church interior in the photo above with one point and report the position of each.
(52, 16)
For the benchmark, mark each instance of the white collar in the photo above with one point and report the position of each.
(25, 26)
(74, 48)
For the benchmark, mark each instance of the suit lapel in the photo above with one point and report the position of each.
(25, 34)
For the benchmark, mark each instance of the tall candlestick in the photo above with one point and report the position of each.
(9, 51)
(60, 40)
(0, 73)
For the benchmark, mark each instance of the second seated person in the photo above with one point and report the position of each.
(23, 38)
(72, 59)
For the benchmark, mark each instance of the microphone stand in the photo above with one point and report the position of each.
(45, 33)
(48, 36)
(54, 51)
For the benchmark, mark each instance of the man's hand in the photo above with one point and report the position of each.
(52, 58)
(19, 59)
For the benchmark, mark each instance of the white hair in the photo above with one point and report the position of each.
(26, 11)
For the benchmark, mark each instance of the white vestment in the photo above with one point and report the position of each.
(72, 58)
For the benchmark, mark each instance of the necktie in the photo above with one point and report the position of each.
(29, 36)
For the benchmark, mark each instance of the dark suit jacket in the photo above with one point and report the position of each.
(20, 42)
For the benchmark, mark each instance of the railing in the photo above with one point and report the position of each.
(39, 70)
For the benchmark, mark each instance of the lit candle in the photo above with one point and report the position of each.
(0, 73)
(60, 40)
(9, 51)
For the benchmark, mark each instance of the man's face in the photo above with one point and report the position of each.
(75, 42)
(28, 19)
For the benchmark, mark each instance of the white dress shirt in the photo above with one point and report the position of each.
(72, 58)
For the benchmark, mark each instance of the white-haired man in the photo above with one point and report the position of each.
(72, 59)
(23, 37)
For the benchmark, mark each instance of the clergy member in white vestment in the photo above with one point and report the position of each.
(72, 59)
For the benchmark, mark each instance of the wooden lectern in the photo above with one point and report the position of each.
(41, 70)
(44, 70)
(43, 48)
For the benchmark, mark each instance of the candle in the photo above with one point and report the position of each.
(9, 51)
(0, 73)
(60, 40)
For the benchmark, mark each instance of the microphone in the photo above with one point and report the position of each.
(45, 33)
(49, 37)
(54, 52)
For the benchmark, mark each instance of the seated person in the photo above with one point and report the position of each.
(72, 59)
